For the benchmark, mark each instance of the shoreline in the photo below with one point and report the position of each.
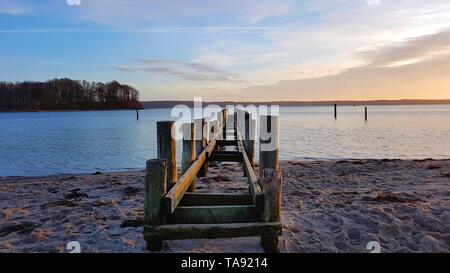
(328, 206)
(69, 110)
(170, 104)
(131, 170)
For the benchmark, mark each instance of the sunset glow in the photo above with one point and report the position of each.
(234, 50)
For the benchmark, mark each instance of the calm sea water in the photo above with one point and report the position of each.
(83, 142)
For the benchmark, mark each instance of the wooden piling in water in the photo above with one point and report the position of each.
(155, 189)
(365, 113)
(335, 111)
(137, 114)
(268, 143)
(271, 188)
(189, 150)
(167, 149)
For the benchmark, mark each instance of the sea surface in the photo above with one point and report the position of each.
(44, 143)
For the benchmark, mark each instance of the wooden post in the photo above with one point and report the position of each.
(137, 114)
(216, 123)
(155, 188)
(213, 128)
(365, 113)
(167, 149)
(201, 142)
(189, 150)
(235, 122)
(247, 120)
(335, 111)
(252, 142)
(241, 124)
(271, 188)
(220, 118)
(225, 120)
(268, 143)
(199, 135)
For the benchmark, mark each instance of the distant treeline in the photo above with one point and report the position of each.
(67, 94)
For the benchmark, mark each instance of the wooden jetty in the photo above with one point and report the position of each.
(174, 211)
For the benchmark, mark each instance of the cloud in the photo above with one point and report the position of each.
(327, 38)
(186, 70)
(13, 8)
(426, 78)
(119, 13)
(411, 51)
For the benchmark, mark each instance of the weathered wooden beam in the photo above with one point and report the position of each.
(236, 122)
(166, 149)
(223, 143)
(220, 123)
(216, 199)
(189, 151)
(202, 136)
(173, 197)
(212, 215)
(252, 142)
(268, 143)
(252, 179)
(213, 129)
(240, 126)
(155, 188)
(225, 120)
(223, 157)
(227, 152)
(246, 133)
(212, 231)
(271, 186)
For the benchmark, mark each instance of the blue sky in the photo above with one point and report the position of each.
(229, 50)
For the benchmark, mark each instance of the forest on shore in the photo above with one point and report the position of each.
(67, 94)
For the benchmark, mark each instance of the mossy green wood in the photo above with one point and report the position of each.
(212, 214)
(211, 231)
(216, 199)
(155, 188)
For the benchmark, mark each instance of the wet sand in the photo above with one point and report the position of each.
(328, 206)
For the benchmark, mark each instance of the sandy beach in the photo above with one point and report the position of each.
(328, 206)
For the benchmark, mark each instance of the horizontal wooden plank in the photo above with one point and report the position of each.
(226, 153)
(223, 143)
(216, 199)
(212, 215)
(222, 157)
(211, 231)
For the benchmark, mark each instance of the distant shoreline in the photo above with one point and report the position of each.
(69, 110)
(171, 103)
